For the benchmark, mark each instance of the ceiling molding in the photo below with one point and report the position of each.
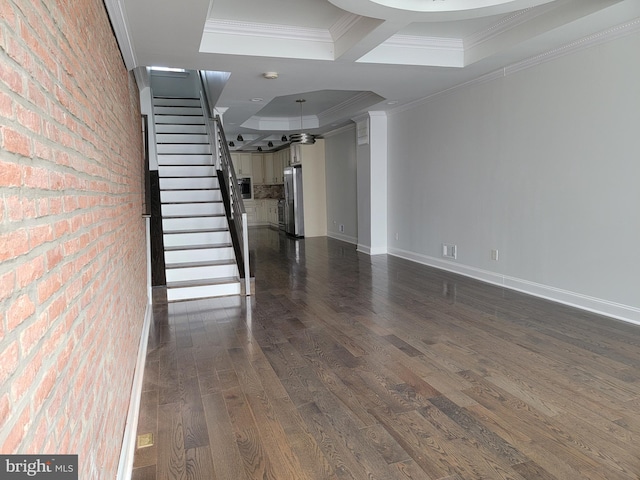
(358, 102)
(430, 43)
(343, 25)
(504, 25)
(119, 22)
(589, 41)
(267, 30)
(346, 128)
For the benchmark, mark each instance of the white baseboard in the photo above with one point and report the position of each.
(344, 238)
(125, 464)
(592, 304)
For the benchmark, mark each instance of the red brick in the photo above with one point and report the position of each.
(5, 407)
(6, 106)
(9, 359)
(39, 235)
(57, 308)
(48, 286)
(14, 244)
(31, 335)
(44, 389)
(54, 256)
(7, 285)
(10, 174)
(36, 177)
(10, 77)
(36, 97)
(24, 378)
(29, 119)
(19, 311)
(15, 142)
(56, 180)
(29, 271)
(17, 433)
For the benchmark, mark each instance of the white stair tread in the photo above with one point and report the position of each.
(198, 247)
(200, 283)
(207, 263)
(195, 230)
(202, 215)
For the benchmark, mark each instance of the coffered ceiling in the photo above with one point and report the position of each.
(349, 56)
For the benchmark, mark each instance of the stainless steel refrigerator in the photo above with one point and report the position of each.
(294, 208)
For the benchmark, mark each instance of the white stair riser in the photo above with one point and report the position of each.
(199, 255)
(180, 129)
(190, 209)
(168, 160)
(190, 196)
(191, 223)
(188, 183)
(201, 273)
(177, 110)
(178, 138)
(200, 238)
(177, 102)
(178, 120)
(174, 294)
(182, 149)
(186, 171)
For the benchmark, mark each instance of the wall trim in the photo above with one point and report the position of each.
(599, 306)
(344, 238)
(125, 464)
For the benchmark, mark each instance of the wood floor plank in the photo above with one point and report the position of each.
(171, 453)
(225, 454)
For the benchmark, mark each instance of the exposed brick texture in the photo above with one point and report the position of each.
(72, 246)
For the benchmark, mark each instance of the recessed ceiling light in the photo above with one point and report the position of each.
(257, 99)
(392, 102)
(270, 75)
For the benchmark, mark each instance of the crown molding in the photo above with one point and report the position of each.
(584, 43)
(505, 24)
(589, 41)
(118, 18)
(343, 25)
(357, 102)
(267, 30)
(430, 43)
(346, 128)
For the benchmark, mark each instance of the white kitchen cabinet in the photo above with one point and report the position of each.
(257, 169)
(242, 164)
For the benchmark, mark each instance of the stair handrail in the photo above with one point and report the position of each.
(222, 161)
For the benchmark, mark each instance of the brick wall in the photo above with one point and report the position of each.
(72, 247)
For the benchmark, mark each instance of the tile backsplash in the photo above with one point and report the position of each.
(268, 191)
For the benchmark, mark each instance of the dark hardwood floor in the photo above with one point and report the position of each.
(345, 366)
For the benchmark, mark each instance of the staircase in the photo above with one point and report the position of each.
(198, 253)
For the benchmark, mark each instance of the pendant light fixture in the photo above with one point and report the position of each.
(302, 138)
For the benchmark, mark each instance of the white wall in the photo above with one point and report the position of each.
(314, 189)
(342, 194)
(543, 165)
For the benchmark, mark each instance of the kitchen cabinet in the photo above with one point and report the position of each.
(274, 167)
(242, 164)
(271, 209)
(257, 169)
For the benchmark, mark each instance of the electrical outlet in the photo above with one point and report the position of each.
(449, 250)
(341, 228)
(494, 255)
